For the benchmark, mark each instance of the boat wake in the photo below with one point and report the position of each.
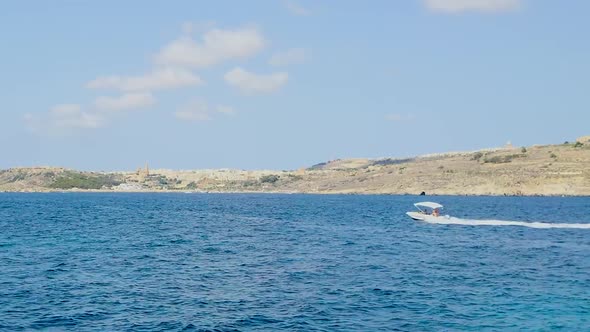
(473, 222)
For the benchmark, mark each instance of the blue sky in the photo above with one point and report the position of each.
(109, 85)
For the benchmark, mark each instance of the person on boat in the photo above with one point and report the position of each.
(435, 213)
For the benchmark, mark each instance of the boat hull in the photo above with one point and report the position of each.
(426, 217)
(416, 215)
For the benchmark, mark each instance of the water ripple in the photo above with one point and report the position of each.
(179, 262)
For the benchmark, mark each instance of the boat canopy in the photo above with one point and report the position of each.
(431, 205)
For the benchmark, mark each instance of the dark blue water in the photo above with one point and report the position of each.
(288, 262)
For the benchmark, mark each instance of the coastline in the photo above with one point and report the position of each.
(549, 170)
(99, 191)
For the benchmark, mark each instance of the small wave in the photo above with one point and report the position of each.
(535, 224)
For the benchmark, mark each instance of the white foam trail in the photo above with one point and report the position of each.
(472, 222)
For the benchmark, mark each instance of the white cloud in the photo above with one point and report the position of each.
(292, 56)
(124, 102)
(62, 117)
(217, 45)
(255, 83)
(296, 8)
(172, 69)
(72, 116)
(225, 110)
(196, 110)
(78, 120)
(159, 79)
(457, 6)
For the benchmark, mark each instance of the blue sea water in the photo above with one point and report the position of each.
(237, 262)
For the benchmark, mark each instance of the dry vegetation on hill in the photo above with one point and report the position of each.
(538, 170)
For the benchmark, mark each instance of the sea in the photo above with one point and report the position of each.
(291, 262)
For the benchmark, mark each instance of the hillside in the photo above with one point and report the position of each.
(537, 170)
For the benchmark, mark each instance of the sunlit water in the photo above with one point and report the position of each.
(292, 262)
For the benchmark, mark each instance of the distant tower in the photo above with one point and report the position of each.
(147, 169)
(508, 145)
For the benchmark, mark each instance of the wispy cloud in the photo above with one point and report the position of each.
(174, 67)
(225, 110)
(291, 56)
(189, 28)
(158, 79)
(458, 6)
(397, 117)
(124, 102)
(255, 83)
(72, 116)
(216, 46)
(63, 117)
(197, 110)
(295, 8)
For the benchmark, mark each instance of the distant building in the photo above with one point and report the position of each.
(300, 171)
(143, 172)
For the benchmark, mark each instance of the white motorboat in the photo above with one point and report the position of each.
(427, 211)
